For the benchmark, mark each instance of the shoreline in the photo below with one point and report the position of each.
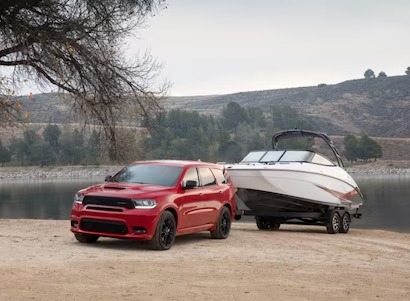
(60, 172)
(89, 172)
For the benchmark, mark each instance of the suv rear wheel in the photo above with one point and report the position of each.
(223, 224)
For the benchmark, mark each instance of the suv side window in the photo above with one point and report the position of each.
(220, 176)
(206, 176)
(191, 175)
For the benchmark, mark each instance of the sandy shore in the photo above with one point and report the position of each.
(40, 260)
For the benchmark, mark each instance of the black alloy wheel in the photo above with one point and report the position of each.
(223, 224)
(165, 232)
(345, 223)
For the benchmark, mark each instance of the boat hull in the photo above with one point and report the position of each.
(267, 189)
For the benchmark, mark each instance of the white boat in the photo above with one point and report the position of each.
(296, 186)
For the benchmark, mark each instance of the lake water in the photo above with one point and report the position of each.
(387, 199)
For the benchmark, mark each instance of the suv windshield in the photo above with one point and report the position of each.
(148, 174)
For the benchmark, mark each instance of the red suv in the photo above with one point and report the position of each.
(156, 201)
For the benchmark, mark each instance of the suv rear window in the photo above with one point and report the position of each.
(206, 177)
(220, 176)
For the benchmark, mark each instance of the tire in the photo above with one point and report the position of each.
(333, 225)
(223, 224)
(86, 238)
(345, 223)
(165, 232)
(264, 224)
(274, 226)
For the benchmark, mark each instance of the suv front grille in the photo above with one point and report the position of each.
(95, 225)
(108, 201)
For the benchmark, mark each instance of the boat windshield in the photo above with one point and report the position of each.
(254, 156)
(297, 156)
(285, 156)
(272, 156)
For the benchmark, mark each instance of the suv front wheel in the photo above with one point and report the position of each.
(165, 232)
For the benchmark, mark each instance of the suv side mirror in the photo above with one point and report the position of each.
(190, 184)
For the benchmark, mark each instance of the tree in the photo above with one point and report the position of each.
(408, 71)
(5, 154)
(51, 134)
(75, 46)
(230, 151)
(368, 148)
(364, 148)
(286, 117)
(233, 114)
(41, 153)
(72, 147)
(369, 74)
(94, 148)
(382, 74)
(351, 142)
(256, 117)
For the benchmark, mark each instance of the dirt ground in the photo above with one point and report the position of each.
(41, 260)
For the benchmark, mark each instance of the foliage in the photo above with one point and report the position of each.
(230, 151)
(408, 71)
(233, 115)
(51, 134)
(382, 74)
(11, 111)
(94, 146)
(364, 148)
(351, 142)
(368, 148)
(75, 46)
(182, 134)
(5, 154)
(369, 73)
(286, 117)
(301, 143)
(176, 134)
(72, 147)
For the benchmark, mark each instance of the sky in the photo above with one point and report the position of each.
(227, 46)
(212, 47)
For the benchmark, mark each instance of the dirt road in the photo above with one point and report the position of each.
(41, 260)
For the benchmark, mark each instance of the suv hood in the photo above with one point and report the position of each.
(126, 190)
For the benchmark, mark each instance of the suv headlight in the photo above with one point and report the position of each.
(144, 203)
(78, 198)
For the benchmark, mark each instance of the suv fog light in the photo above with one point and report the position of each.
(139, 230)
(74, 224)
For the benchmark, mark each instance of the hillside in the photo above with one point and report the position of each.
(380, 107)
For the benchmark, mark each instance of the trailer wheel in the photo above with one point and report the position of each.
(333, 225)
(265, 224)
(345, 223)
(274, 225)
(262, 223)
